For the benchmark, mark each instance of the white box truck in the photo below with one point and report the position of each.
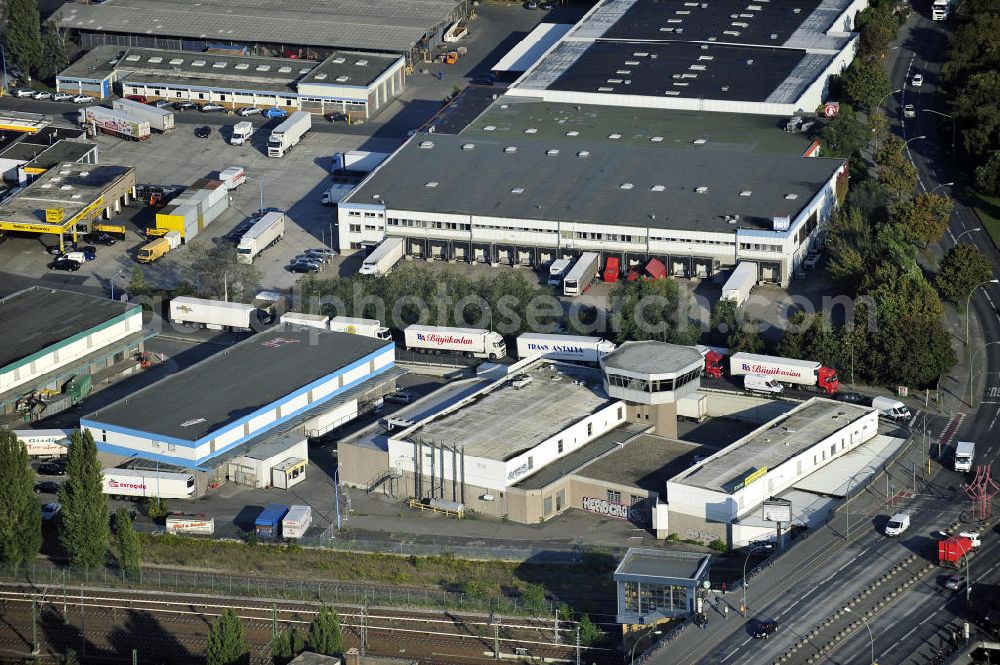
(965, 452)
(307, 320)
(116, 123)
(382, 259)
(44, 442)
(573, 348)
(296, 522)
(582, 274)
(265, 233)
(558, 270)
(233, 177)
(357, 162)
(162, 120)
(472, 342)
(140, 483)
(242, 131)
(897, 524)
(288, 133)
(365, 327)
(693, 407)
(737, 287)
(212, 314)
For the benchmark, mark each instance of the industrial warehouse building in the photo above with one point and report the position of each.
(55, 345)
(23, 156)
(768, 58)
(246, 413)
(308, 30)
(532, 196)
(68, 199)
(358, 84)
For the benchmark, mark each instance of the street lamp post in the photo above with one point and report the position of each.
(915, 138)
(113, 278)
(879, 106)
(871, 635)
(768, 546)
(944, 184)
(652, 631)
(972, 360)
(968, 302)
(950, 117)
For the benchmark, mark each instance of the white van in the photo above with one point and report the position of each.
(897, 524)
(761, 383)
(891, 408)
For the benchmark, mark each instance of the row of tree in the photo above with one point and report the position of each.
(228, 643)
(85, 532)
(38, 52)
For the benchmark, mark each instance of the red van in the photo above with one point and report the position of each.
(612, 269)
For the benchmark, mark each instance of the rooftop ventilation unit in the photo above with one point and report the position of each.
(176, 61)
(339, 60)
(263, 68)
(490, 128)
(623, 72)
(155, 60)
(791, 197)
(583, 153)
(361, 63)
(572, 132)
(746, 192)
(701, 190)
(552, 152)
(657, 139)
(343, 78)
(626, 185)
(219, 65)
(198, 63)
(641, 54)
(510, 149)
(133, 58)
(468, 146)
(613, 81)
(657, 188)
(517, 190)
(285, 70)
(632, 63)
(605, 88)
(321, 76)
(427, 145)
(614, 137)
(242, 66)
(531, 130)
(749, 61)
(305, 70)
(432, 184)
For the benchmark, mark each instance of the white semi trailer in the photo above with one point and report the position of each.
(212, 314)
(140, 483)
(384, 257)
(573, 348)
(289, 133)
(365, 327)
(266, 232)
(162, 120)
(472, 342)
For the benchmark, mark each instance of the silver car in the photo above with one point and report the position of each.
(42, 94)
(62, 97)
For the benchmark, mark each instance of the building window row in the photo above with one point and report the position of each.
(656, 386)
(607, 237)
(525, 229)
(759, 247)
(689, 241)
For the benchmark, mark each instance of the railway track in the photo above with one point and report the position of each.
(107, 624)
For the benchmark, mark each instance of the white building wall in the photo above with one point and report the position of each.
(69, 353)
(324, 389)
(262, 420)
(293, 405)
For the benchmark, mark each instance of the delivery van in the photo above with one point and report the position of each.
(761, 383)
(897, 524)
(891, 408)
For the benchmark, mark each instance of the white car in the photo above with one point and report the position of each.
(62, 97)
(50, 510)
(42, 94)
(917, 80)
(24, 92)
(210, 107)
(248, 110)
(82, 99)
(909, 111)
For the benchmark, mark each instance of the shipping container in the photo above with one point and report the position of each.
(191, 525)
(160, 119)
(354, 326)
(115, 123)
(296, 522)
(308, 320)
(268, 523)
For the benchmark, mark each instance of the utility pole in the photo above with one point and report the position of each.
(135, 657)
(274, 621)
(578, 645)
(364, 629)
(555, 629)
(34, 626)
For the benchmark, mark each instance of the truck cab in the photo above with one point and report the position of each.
(761, 383)
(897, 524)
(965, 452)
(827, 380)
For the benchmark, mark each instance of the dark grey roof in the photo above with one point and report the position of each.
(361, 69)
(662, 563)
(61, 151)
(651, 357)
(580, 457)
(37, 318)
(383, 25)
(236, 382)
(614, 184)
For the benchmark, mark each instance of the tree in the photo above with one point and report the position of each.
(974, 43)
(845, 135)
(21, 526)
(962, 268)
(589, 632)
(84, 528)
(924, 218)
(866, 83)
(217, 274)
(533, 596)
(988, 175)
(70, 658)
(896, 172)
(878, 27)
(129, 548)
(739, 331)
(137, 285)
(55, 52)
(978, 113)
(848, 246)
(324, 633)
(811, 337)
(227, 641)
(24, 33)
(651, 310)
(286, 645)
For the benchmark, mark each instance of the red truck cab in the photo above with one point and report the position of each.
(827, 380)
(612, 269)
(714, 362)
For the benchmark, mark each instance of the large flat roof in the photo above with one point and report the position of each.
(38, 318)
(662, 563)
(774, 443)
(581, 457)
(504, 421)
(381, 25)
(647, 461)
(511, 115)
(69, 186)
(236, 382)
(580, 180)
(651, 357)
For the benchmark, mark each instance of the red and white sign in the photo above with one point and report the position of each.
(773, 370)
(44, 443)
(191, 525)
(831, 109)
(441, 340)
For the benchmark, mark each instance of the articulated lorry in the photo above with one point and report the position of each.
(162, 120)
(142, 483)
(212, 314)
(582, 274)
(471, 342)
(807, 374)
(572, 348)
(265, 233)
(364, 327)
(288, 133)
(115, 123)
(737, 287)
(382, 259)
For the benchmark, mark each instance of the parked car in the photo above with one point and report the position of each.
(89, 252)
(100, 238)
(53, 468)
(247, 111)
(138, 98)
(303, 266)
(63, 263)
(274, 112)
(764, 629)
(83, 99)
(42, 94)
(184, 106)
(24, 92)
(531, 4)
(917, 80)
(161, 103)
(336, 116)
(308, 258)
(322, 251)
(211, 108)
(909, 111)
(400, 397)
(46, 487)
(50, 510)
(62, 97)
(955, 582)
(203, 132)
(546, 6)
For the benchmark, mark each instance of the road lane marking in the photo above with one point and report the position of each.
(844, 566)
(726, 657)
(744, 643)
(910, 632)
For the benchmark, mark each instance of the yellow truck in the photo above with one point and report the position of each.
(157, 248)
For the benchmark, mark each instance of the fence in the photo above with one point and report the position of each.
(58, 581)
